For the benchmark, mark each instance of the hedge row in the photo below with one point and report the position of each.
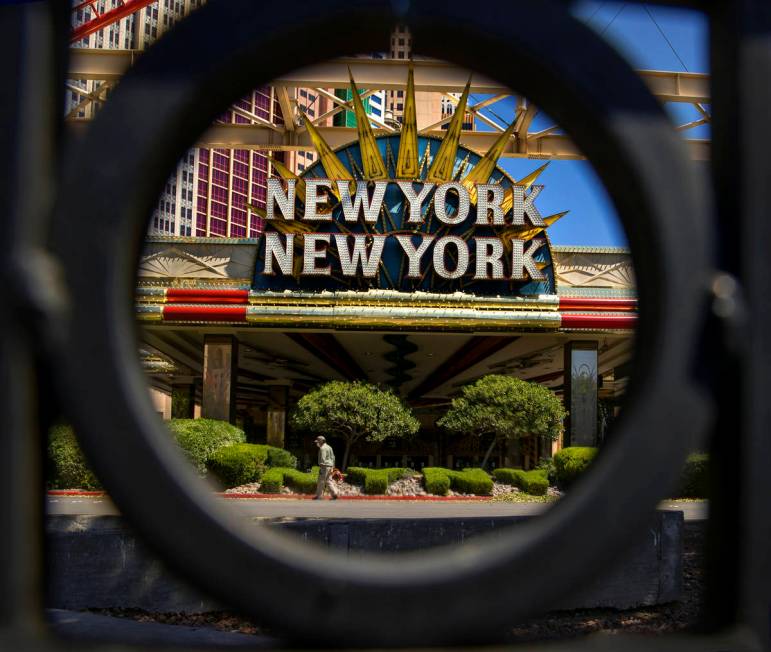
(276, 478)
(534, 482)
(571, 462)
(68, 468)
(694, 480)
(374, 481)
(199, 439)
(439, 481)
(244, 463)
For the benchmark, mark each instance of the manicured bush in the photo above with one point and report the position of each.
(695, 477)
(272, 481)
(533, 482)
(276, 478)
(471, 481)
(279, 457)
(68, 467)
(374, 481)
(238, 464)
(201, 438)
(436, 480)
(305, 483)
(439, 481)
(571, 462)
(356, 475)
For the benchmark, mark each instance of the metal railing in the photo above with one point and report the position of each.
(700, 248)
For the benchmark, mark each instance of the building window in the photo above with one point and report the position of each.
(399, 93)
(399, 106)
(401, 55)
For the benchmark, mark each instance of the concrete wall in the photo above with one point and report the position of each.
(96, 562)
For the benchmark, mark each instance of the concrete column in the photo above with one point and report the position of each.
(220, 370)
(183, 398)
(278, 397)
(581, 393)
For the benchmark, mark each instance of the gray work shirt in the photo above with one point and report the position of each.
(326, 455)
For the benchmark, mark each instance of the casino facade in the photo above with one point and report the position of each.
(404, 260)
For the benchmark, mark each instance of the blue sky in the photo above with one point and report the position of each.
(573, 185)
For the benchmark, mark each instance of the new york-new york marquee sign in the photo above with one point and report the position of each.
(405, 212)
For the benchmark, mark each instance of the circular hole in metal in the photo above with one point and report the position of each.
(622, 131)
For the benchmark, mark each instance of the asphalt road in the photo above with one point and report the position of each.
(262, 508)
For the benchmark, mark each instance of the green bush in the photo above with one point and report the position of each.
(571, 462)
(305, 483)
(533, 482)
(374, 481)
(68, 467)
(272, 481)
(694, 479)
(275, 478)
(238, 464)
(356, 475)
(471, 481)
(279, 457)
(546, 464)
(439, 481)
(436, 480)
(201, 438)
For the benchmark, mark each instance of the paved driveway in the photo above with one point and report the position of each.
(278, 508)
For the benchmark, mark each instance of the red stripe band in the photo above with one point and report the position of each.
(612, 322)
(189, 295)
(204, 313)
(576, 303)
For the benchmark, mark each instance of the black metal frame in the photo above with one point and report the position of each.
(88, 343)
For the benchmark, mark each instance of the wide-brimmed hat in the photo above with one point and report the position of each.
(320, 439)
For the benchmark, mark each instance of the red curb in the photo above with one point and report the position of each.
(310, 497)
(100, 494)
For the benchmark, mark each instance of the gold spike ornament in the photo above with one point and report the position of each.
(371, 160)
(408, 164)
(442, 165)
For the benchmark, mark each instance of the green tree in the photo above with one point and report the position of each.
(353, 411)
(505, 407)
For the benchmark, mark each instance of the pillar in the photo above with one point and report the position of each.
(183, 398)
(220, 371)
(581, 393)
(278, 397)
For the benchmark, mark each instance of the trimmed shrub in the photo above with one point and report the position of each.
(439, 481)
(279, 457)
(471, 481)
(272, 481)
(201, 438)
(436, 480)
(68, 467)
(571, 462)
(305, 483)
(533, 482)
(238, 464)
(694, 479)
(275, 478)
(376, 482)
(356, 475)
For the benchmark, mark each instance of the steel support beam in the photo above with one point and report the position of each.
(391, 74)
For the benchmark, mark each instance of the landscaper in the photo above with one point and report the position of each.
(326, 464)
